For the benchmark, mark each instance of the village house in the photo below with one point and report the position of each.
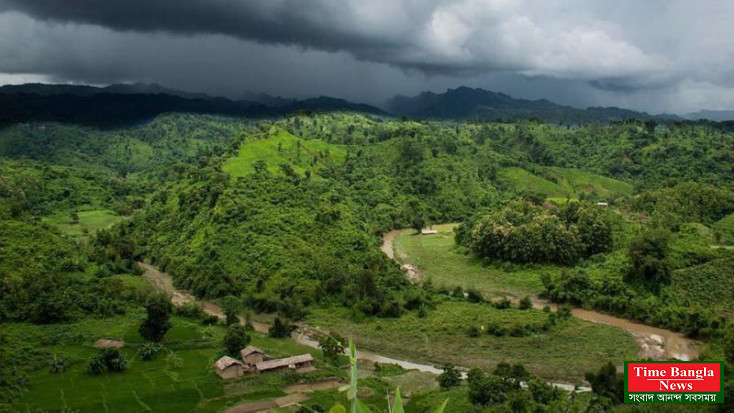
(429, 231)
(301, 363)
(252, 355)
(228, 368)
(253, 361)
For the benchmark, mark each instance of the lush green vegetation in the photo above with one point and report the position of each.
(285, 216)
(444, 335)
(525, 233)
(181, 378)
(282, 148)
(445, 266)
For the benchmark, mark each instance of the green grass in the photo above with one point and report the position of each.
(282, 148)
(437, 257)
(156, 384)
(565, 353)
(523, 180)
(447, 265)
(568, 183)
(89, 221)
(708, 285)
(577, 181)
(459, 402)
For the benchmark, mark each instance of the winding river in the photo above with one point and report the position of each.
(164, 282)
(656, 343)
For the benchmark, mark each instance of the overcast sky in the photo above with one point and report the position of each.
(653, 55)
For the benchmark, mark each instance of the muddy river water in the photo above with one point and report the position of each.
(164, 282)
(656, 343)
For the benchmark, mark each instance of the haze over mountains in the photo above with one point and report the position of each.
(125, 103)
(468, 103)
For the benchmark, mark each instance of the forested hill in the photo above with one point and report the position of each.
(468, 103)
(125, 104)
(119, 105)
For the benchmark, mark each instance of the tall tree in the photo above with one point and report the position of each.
(157, 322)
(235, 340)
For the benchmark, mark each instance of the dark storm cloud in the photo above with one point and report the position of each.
(653, 55)
(324, 25)
(436, 37)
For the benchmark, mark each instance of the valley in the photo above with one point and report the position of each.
(310, 220)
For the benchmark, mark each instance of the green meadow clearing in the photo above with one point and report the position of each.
(439, 259)
(283, 148)
(89, 221)
(562, 183)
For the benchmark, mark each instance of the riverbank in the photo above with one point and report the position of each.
(436, 257)
(401, 347)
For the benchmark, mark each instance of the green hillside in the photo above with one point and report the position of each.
(563, 183)
(284, 216)
(521, 179)
(724, 230)
(280, 147)
(578, 181)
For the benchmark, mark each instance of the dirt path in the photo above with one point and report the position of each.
(655, 343)
(312, 387)
(164, 282)
(388, 248)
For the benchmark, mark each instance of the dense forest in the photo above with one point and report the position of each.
(285, 215)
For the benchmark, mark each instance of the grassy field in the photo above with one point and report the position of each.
(438, 258)
(578, 181)
(188, 384)
(283, 148)
(568, 183)
(89, 221)
(564, 353)
(522, 179)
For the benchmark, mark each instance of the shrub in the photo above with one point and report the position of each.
(496, 329)
(109, 359)
(475, 296)
(149, 350)
(279, 329)
(449, 378)
(190, 310)
(58, 364)
(332, 346)
(525, 303)
(503, 304)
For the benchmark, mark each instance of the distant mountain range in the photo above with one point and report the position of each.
(129, 103)
(468, 103)
(714, 115)
(43, 89)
